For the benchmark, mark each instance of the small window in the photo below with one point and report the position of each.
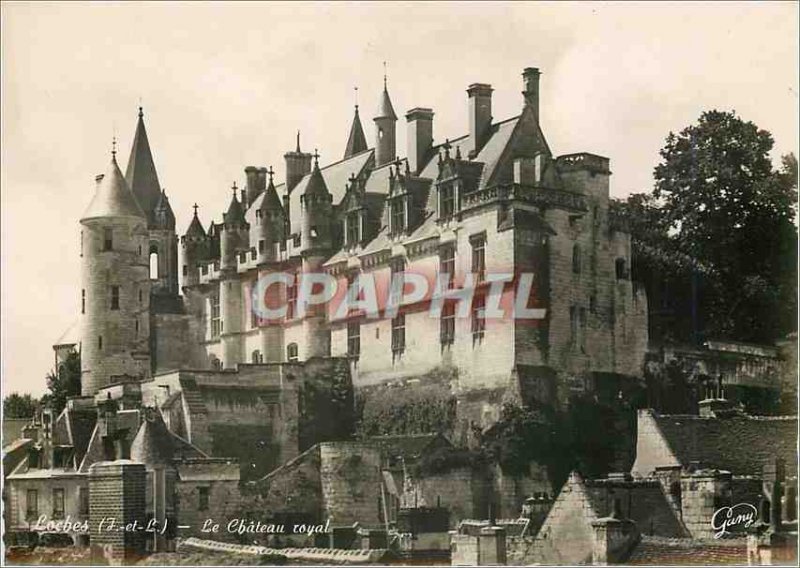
(447, 201)
(447, 330)
(115, 297)
(216, 364)
(354, 339)
(216, 322)
(447, 263)
(108, 239)
(100, 342)
(262, 245)
(83, 501)
(621, 269)
(397, 267)
(478, 319)
(291, 353)
(202, 495)
(185, 270)
(398, 211)
(255, 357)
(479, 257)
(136, 327)
(576, 258)
(399, 334)
(140, 295)
(353, 228)
(153, 263)
(83, 301)
(291, 298)
(58, 503)
(32, 504)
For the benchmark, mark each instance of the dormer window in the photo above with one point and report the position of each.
(398, 215)
(447, 201)
(353, 228)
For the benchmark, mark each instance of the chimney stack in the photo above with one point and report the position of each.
(480, 115)
(420, 137)
(530, 77)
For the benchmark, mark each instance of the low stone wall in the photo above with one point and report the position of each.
(314, 555)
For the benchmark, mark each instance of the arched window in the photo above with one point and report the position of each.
(621, 268)
(216, 364)
(291, 353)
(153, 262)
(576, 258)
(255, 357)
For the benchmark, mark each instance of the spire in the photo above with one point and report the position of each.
(385, 108)
(316, 184)
(113, 198)
(195, 227)
(141, 171)
(356, 142)
(271, 203)
(298, 142)
(235, 214)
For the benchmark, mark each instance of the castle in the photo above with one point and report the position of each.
(495, 200)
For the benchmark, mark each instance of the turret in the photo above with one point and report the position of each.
(271, 223)
(115, 292)
(195, 248)
(356, 142)
(315, 210)
(385, 126)
(234, 232)
(298, 164)
(164, 245)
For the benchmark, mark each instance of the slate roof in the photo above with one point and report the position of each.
(163, 217)
(141, 171)
(356, 142)
(195, 228)
(235, 214)
(156, 444)
(659, 551)
(385, 108)
(740, 444)
(113, 198)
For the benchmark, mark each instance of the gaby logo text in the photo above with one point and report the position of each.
(740, 516)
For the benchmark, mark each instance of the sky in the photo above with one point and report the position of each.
(227, 86)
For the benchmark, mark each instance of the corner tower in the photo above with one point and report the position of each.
(115, 294)
(385, 129)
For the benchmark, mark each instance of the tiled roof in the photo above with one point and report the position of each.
(235, 212)
(385, 108)
(739, 444)
(659, 551)
(113, 198)
(195, 227)
(356, 142)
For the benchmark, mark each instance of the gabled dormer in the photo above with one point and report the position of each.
(398, 201)
(457, 177)
(354, 214)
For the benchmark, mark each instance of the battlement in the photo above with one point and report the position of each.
(583, 161)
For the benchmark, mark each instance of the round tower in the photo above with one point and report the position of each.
(194, 244)
(115, 292)
(271, 223)
(385, 126)
(234, 239)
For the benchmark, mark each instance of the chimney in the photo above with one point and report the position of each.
(252, 185)
(480, 115)
(420, 137)
(530, 78)
(298, 164)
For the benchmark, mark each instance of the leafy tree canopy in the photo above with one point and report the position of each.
(63, 382)
(17, 405)
(720, 209)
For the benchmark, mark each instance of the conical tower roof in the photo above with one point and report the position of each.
(153, 443)
(385, 108)
(271, 203)
(196, 227)
(235, 214)
(356, 142)
(316, 187)
(113, 198)
(141, 171)
(163, 217)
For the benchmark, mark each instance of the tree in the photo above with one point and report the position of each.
(18, 405)
(724, 205)
(63, 383)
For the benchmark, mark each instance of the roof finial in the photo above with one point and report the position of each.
(356, 96)
(384, 75)
(298, 142)
(270, 173)
(141, 112)
(234, 188)
(316, 158)
(114, 147)
(195, 209)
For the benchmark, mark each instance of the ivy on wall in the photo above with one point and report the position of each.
(327, 406)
